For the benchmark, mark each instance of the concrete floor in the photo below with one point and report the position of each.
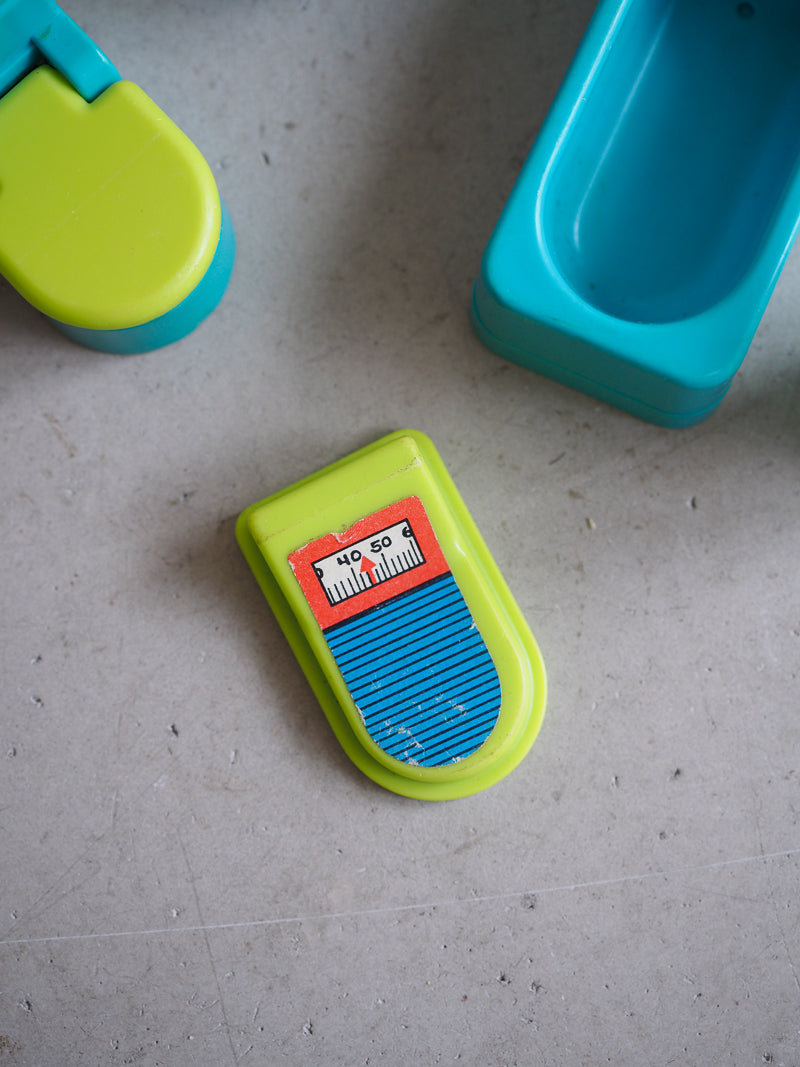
(193, 872)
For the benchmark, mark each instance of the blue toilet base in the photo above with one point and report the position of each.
(178, 321)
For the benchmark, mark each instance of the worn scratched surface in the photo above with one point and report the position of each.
(192, 872)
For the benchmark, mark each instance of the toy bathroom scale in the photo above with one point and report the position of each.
(111, 223)
(415, 648)
(641, 243)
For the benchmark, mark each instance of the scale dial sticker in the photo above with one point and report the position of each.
(376, 558)
(402, 635)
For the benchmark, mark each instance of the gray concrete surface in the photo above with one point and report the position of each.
(192, 871)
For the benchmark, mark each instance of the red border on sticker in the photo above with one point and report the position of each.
(304, 561)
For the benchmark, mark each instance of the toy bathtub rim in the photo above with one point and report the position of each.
(524, 307)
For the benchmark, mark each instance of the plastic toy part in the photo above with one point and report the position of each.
(110, 219)
(641, 243)
(400, 619)
(37, 31)
(174, 324)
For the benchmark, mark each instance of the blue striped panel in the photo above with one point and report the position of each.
(420, 674)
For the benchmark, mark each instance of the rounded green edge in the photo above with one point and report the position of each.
(382, 775)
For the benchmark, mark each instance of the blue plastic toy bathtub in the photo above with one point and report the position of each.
(641, 243)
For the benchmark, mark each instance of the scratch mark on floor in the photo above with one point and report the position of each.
(396, 909)
(56, 427)
(205, 929)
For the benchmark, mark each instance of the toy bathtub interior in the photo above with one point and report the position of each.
(639, 248)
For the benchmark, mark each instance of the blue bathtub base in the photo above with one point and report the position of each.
(644, 236)
(590, 369)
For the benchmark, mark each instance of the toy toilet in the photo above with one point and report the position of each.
(110, 219)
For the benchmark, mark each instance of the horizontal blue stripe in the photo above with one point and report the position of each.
(471, 688)
(420, 674)
(425, 755)
(452, 753)
(445, 736)
(428, 658)
(427, 599)
(435, 680)
(422, 632)
(456, 718)
(445, 715)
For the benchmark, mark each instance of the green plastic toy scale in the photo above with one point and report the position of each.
(421, 659)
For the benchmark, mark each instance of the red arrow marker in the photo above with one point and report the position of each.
(368, 566)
